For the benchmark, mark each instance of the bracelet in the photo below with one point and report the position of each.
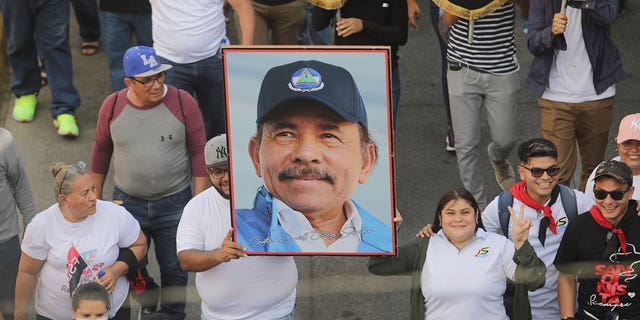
(568, 318)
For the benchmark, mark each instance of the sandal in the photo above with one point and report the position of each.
(89, 48)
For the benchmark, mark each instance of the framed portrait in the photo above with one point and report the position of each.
(310, 149)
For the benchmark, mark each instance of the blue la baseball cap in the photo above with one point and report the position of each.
(327, 84)
(142, 61)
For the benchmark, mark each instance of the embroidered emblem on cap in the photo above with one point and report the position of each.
(306, 80)
(221, 152)
(150, 61)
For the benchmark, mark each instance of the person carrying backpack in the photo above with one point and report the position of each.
(549, 205)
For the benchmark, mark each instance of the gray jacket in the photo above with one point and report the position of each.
(14, 188)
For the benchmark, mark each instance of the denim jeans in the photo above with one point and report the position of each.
(203, 80)
(159, 221)
(322, 37)
(36, 26)
(86, 12)
(117, 31)
(395, 90)
(10, 253)
(435, 18)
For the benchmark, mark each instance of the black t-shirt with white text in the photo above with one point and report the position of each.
(608, 277)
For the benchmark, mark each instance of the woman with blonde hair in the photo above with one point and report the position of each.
(78, 239)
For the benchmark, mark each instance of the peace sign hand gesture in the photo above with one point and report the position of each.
(521, 226)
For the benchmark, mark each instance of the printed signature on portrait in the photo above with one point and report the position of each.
(309, 235)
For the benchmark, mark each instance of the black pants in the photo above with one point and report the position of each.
(10, 253)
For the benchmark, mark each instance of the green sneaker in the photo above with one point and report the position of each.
(25, 108)
(66, 124)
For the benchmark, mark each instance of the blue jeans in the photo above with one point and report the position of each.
(435, 18)
(37, 26)
(117, 31)
(159, 221)
(395, 90)
(86, 12)
(10, 253)
(203, 80)
(322, 37)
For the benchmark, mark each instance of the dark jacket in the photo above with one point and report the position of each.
(597, 18)
(530, 274)
(384, 23)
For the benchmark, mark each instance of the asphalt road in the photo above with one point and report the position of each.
(339, 287)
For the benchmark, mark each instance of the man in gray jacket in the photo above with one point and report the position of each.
(15, 191)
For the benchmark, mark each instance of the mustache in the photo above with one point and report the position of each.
(305, 173)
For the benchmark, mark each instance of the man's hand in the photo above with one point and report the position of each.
(229, 250)
(559, 24)
(348, 26)
(398, 219)
(521, 227)
(414, 13)
(425, 232)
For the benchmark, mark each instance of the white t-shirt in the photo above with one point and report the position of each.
(98, 239)
(544, 301)
(309, 240)
(187, 31)
(469, 283)
(571, 75)
(256, 287)
(588, 189)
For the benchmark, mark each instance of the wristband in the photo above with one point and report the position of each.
(126, 255)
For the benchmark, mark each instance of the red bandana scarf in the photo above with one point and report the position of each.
(597, 216)
(520, 193)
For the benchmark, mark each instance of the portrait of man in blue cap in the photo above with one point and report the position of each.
(312, 149)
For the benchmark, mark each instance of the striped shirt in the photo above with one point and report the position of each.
(493, 48)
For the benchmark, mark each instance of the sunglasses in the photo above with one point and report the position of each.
(538, 172)
(610, 249)
(74, 170)
(602, 194)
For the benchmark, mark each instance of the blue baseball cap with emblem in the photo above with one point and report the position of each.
(312, 80)
(142, 61)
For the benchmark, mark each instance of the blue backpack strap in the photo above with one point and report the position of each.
(569, 201)
(505, 199)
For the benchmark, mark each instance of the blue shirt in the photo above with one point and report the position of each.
(259, 230)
